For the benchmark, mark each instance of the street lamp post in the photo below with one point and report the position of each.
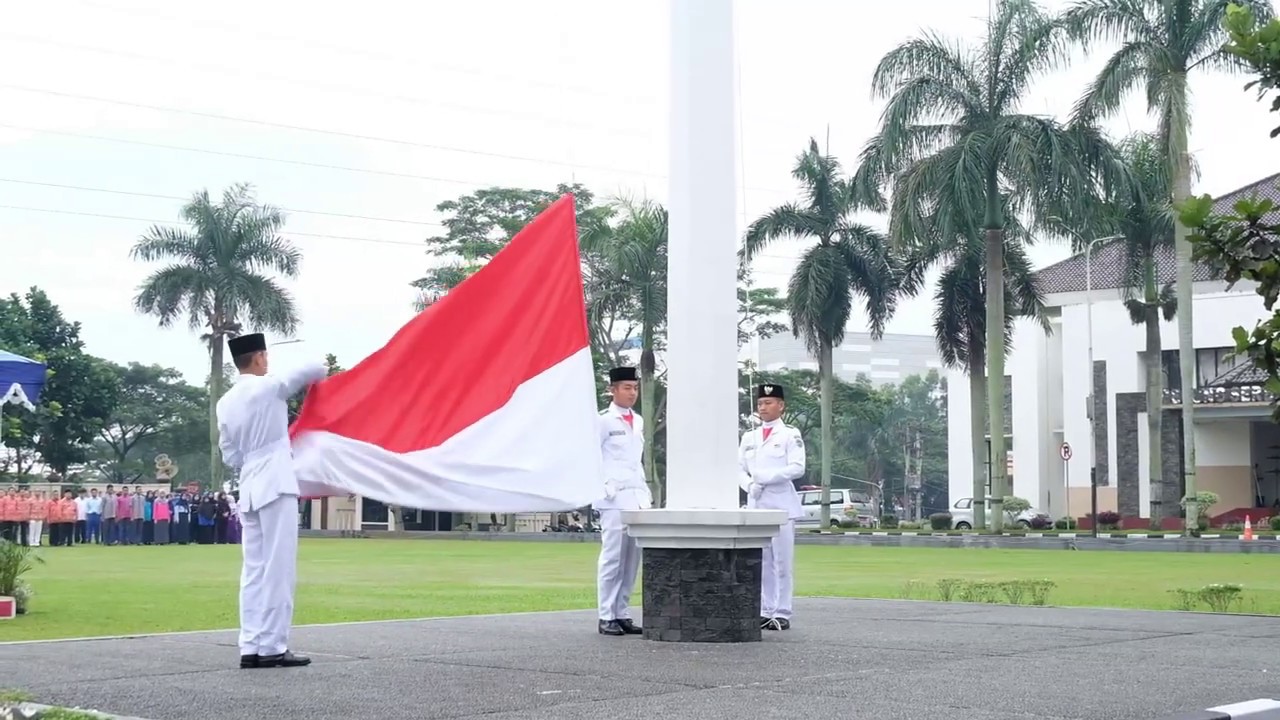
(1093, 441)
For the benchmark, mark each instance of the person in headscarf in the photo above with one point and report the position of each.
(148, 518)
(207, 513)
(182, 518)
(221, 519)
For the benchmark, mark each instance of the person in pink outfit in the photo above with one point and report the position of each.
(161, 514)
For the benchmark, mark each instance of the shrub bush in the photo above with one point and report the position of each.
(1040, 590)
(1041, 523)
(889, 521)
(908, 526)
(978, 591)
(911, 588)
(1218, 597)
(848, 523)
(1204, 501)
(1016, 505)
(947, 588)
(940, 521)
(1014, 590)
(1108, 520)
(1275, 523)
(1065, 523)
(1186, 599)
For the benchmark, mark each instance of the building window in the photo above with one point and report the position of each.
(1172, 373)
(1213, 363)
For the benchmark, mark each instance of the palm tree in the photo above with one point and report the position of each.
(1162, 42)
(959, 327)
(626, 271)
(958, 148)
(218, 277)
(1144, 217)
(847, 259)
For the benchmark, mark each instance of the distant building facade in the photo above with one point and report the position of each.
(886, 361)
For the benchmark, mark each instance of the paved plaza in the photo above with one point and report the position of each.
(874, 659)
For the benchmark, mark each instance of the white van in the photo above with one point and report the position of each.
(844, 503)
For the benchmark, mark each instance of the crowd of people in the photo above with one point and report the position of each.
(127, 517)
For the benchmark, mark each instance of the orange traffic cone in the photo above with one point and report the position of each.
(1248, 529)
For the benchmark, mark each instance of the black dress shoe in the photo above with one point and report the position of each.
(248, 661)
(610, 627)
(284, 659)
(630, 627)
(770, 624)
(784, 624)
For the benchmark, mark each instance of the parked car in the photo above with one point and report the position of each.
(844, 503)
(962, 516)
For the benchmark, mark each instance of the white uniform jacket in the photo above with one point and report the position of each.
(622, 448)
(253, 433)
(773, 465)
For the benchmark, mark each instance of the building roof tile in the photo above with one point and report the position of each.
(1108, 257)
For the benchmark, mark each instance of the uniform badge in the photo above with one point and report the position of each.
(613, 433)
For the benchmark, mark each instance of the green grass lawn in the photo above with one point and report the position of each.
(87, 591)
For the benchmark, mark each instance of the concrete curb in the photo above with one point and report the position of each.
(1261, 709)
(881, 539)
(34, 710)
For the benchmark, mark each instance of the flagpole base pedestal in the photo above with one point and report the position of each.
(702, 572)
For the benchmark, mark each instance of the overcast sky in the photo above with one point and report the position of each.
(486, 92)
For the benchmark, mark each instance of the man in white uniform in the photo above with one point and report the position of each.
(771, 459)
(622, 445)
(253, 434)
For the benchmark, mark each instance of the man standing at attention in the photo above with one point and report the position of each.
(82, 517)
(138, 509)
(93, 511)
(771, 459)
(107, 536)
(124, 516)
(253, 434)
(622, 445)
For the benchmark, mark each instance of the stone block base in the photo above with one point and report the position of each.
(702, 595)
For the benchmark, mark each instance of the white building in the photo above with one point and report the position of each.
(1237, 446)
(889, 360)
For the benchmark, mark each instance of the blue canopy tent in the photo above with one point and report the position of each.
(21, 380)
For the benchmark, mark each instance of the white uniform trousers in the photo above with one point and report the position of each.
(34, 529)
(618, 567)
(268, 576)
(777, 584)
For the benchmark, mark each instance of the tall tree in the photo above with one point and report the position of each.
(155, 402)
(220, 277)
(1161, 43)
(629, 278)
(1244, 242)
(960, 332)
(480, 224)
(847, 259)
(1144, 218)
(959, 148)
(80, 391)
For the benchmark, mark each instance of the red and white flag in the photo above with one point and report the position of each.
(484, 402)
